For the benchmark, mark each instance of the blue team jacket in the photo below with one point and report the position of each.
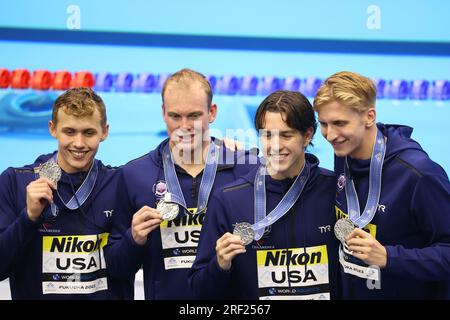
(294, 256)
(43, 258)
(412, 221)
(142, 183)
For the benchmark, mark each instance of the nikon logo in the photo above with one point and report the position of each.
(74, 244)
(187, 220)
(288, 257)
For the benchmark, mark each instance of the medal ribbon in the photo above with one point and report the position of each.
(83, 192)
(261, 219)
(376, 167)
(173, 185)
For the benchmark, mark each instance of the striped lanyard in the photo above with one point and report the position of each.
(209, 175)
(261, 219)
(376, 167)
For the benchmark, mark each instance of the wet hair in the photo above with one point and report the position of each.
(348, 88)
(294, 107)
(185, 78)
(80, 103)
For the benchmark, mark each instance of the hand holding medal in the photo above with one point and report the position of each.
(39, 192)
(144, 221)
(230, 245)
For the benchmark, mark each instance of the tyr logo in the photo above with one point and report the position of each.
(108, 213)
(324, 229)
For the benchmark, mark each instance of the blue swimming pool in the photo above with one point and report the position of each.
(303, 40)
(136, 126)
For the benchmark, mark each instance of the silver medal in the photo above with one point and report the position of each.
(169, 211)
(245, 231)
(343, 228)
(50, 170)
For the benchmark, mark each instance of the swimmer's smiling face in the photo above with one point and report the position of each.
(78, 139)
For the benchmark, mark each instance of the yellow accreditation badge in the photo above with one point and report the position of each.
(294, 273)
(74, 264)
(179, 238)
